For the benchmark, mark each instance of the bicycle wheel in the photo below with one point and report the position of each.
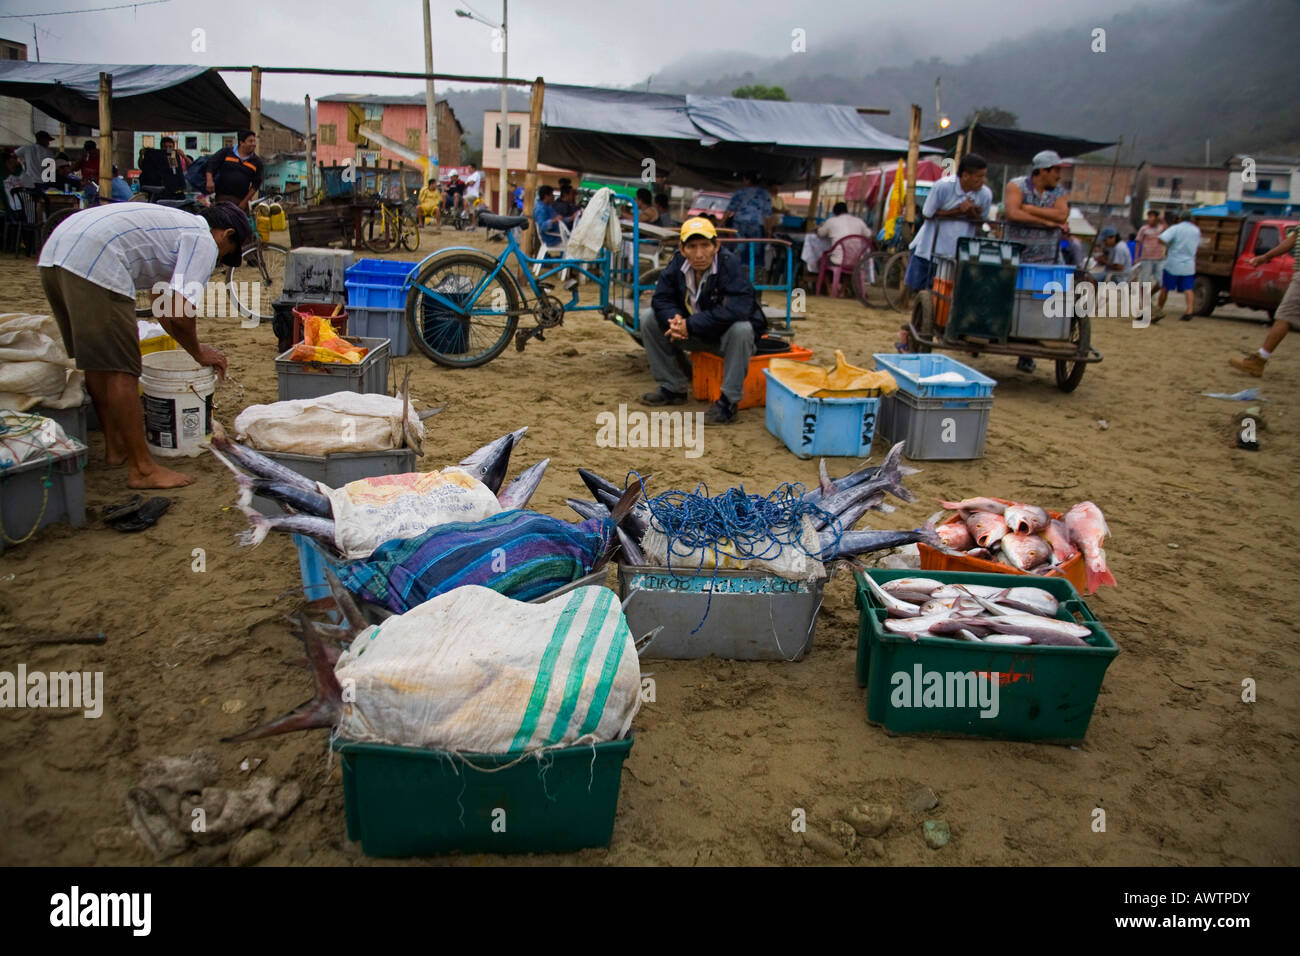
(896, 291)
(258, 280)
(410, 232)
(377, 230)
(468, 333)
(868, 278)
(1069, 374)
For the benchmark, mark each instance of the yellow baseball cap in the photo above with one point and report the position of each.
(698, 226)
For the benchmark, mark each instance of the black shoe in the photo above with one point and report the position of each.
(663, 397)
(721, 412)
(1025, 364)
(1185, 318)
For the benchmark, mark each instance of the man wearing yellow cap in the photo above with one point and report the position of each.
(703, 301)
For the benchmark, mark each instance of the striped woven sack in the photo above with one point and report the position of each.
(474, 672)
(521, 554)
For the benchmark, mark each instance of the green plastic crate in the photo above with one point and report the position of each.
(1044, 693)
(401, 801)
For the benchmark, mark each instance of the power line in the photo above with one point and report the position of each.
(64, 13)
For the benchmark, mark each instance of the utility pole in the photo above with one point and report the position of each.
(503, 204)
(430, 103)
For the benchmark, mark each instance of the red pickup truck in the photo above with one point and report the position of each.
(1223, 272)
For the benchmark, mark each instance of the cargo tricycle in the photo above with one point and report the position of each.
(985, 300)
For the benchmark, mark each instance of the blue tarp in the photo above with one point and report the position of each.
(144, 97)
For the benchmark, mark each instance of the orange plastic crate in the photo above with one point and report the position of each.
(934, 559)
(942, 301)
(706, 375)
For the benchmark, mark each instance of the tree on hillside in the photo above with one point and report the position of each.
(757, 91)
(991, 116)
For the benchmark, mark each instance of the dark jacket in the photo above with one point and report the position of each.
(727, 297)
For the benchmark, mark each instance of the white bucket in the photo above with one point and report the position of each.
(177, 399)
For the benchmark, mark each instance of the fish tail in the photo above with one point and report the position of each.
(323, 710)
(889, 471)
(617, 512)
(259, 528)
(1098, 577)
(929, 535)
(245, 484)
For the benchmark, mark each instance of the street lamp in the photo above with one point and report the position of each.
(504, 125)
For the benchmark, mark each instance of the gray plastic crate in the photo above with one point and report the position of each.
(381, 324)
(313, 271)
(1030, 321)
(338, 469)
(22, 495)
(74, 421)
(314, 379)
(936, 429)
(754, 616)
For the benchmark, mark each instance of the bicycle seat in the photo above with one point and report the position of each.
(502, 223)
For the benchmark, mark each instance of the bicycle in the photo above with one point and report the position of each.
(885, 268)
(389, 225)
(463, 305)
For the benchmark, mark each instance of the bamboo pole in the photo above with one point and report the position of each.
(391, 74)
(961, 139)
(810, 221)
(105, 135)
(913, 147)
(534, 145)
(255, 103)
(308, 177)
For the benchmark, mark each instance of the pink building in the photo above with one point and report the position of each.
(399, 119)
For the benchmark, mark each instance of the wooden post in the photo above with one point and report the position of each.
(913, 147)
(961, 139)
(307, 172)
(534, 144)
(255, 103)
(105, 135)
(810, 221)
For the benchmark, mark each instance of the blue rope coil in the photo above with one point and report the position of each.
(754, 527)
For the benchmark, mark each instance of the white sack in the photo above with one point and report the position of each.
(341, 422)
(791, 562)
(374, 510)
(474, 671)
(598, 227)
(34, 368)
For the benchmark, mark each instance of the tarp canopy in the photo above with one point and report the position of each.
(144, 97)
(701, 141)
(1014, 147)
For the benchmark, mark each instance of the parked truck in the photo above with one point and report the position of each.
(1223, 271)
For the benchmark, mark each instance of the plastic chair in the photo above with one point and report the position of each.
(27, 222)
(553, 252)
(852, 248)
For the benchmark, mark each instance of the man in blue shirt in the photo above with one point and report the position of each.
(951, 211)
(547, 218)
(121, 188)
(747, 212)
(1181, 240)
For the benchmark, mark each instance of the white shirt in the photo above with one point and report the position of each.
(33, 156)
(948, 194)
(837, 227)
(128, 246)
(473, 183)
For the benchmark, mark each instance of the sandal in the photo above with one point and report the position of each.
(146, 517)
(126, 509)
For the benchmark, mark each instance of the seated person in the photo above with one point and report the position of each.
(702, 301)
(839, 226)
(665, 217)
(547, 219)
(163, 168)
(565, 204)
(643, 208)
(430, 201)
(455, 193)
(121, 188)
(1114, 261)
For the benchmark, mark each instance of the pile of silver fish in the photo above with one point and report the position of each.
(973, 612)
(1027, 538)
(846, 499)
(308, 512)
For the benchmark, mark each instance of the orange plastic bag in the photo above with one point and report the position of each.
(320, 343)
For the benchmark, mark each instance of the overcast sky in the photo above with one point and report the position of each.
(593, 42)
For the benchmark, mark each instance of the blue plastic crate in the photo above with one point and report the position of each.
(381, 324)
(377, 283)
(811, 427)
(1033, 277)
(908, 369)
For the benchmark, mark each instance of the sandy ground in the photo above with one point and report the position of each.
(1187, 772)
